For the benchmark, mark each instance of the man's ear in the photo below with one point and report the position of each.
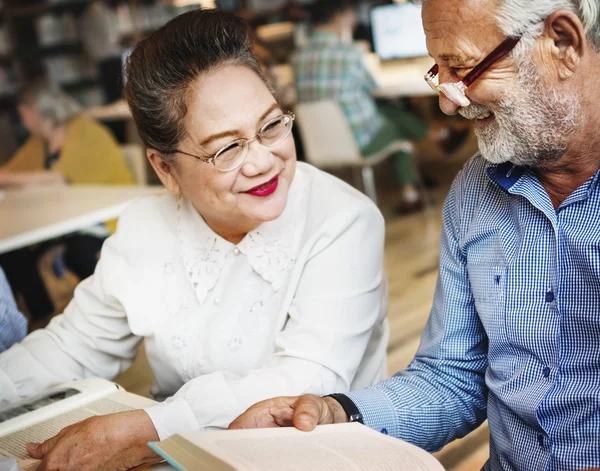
(567, 42)
(164, 170)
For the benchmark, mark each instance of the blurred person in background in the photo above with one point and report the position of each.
(102, 43)
(331, 66)
(99, 32)
(64, 147)
(13, 325)
(253, 275)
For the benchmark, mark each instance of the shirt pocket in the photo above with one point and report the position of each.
(488, 285)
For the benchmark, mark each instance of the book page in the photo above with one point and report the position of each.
(339, 447)
(53, 402)
(13, 444)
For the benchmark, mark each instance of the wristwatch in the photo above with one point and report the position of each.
(349, 407)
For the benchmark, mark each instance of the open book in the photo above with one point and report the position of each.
(340, 447)
(40, 418)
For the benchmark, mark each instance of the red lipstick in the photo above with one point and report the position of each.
(265, 189)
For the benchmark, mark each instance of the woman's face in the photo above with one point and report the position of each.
(232, 102)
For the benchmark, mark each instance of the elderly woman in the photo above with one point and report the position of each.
(254, 276)
(64, 147)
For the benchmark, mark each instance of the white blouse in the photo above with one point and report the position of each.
(298, 306)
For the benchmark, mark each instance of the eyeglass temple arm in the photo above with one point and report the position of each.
(203, 159)
(502, 50)
(433, 72)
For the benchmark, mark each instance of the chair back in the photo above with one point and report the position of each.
(275, 32)
(135, 159)
(326, 135)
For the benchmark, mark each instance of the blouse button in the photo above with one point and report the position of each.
(216, 301)
(236, 251)
(234, 343)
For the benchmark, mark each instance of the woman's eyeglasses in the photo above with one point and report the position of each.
(456, 91)
(233, 155)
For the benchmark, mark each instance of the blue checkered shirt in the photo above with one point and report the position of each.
(328, 68)
(514, 332)
(13, 326)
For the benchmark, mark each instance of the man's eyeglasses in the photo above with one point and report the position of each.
(233, 155)
(456, 91)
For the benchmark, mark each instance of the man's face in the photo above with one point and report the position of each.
(520, 117)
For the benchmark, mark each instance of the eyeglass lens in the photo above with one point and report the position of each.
(269, 135)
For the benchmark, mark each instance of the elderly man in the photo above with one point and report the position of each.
(514, 333)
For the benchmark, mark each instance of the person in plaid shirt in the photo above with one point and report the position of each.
(331, 66)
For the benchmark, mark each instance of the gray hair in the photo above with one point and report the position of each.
(163, 68)
(53, 104)
(526, 18)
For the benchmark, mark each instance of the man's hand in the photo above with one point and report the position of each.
(304, 413)
(112, 442)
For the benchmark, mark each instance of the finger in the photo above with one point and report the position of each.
(276, 412)
(283, 413)
(39, 450)
(32, 449)
(310, 411)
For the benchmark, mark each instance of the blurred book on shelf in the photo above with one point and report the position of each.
(55, 29)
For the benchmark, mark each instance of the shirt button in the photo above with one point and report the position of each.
(541, 440)
(384, 431)
(216, 301)
(549, 296)
(236, 251)
(546, 372)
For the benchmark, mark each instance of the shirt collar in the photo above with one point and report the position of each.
(506, 174)
(270, 249)
(325, 37)
(522, 181)
(595, 180)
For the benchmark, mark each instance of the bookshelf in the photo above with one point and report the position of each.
(44, 38)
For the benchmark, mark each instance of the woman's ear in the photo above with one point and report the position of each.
(164, 170)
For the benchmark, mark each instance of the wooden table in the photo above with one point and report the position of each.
(401, 77)
(32, 215)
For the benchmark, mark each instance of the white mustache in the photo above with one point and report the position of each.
(474, 111)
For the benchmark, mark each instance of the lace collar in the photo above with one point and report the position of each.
(270, 249)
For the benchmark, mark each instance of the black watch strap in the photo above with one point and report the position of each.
(349, 407)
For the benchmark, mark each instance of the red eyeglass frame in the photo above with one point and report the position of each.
(501, 51)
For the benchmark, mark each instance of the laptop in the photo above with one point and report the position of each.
(398, 32)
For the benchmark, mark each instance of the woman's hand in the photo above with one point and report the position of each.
(111, 442)
(304, 413)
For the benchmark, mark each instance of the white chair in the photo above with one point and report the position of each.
(328, 142)
(135, 159)
(274, 32)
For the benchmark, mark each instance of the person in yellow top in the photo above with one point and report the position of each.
(64, 144)
(64, 147)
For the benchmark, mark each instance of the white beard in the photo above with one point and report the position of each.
(532, 125)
